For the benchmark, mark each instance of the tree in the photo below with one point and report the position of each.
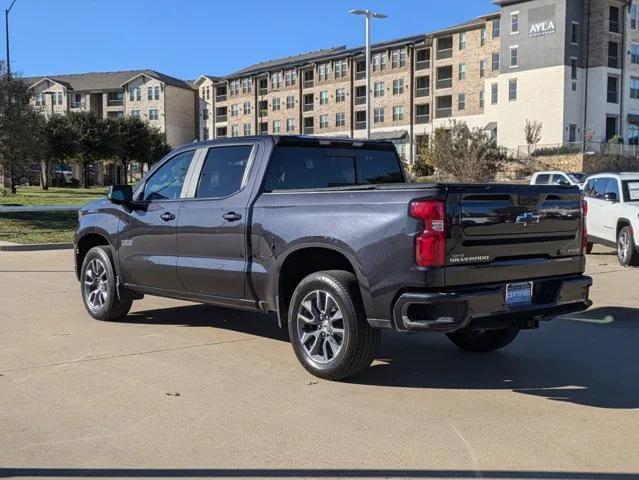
(462, 154)
(61, 140)
(421, 168)
(159, 147)
(17, 119)
(93, 141)
(532, 131)
(132, 141)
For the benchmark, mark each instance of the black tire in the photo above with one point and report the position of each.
(626, 248)
(589, 246)
(112, 307)
(359, 341)
(483, 341)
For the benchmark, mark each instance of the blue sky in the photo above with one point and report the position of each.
(186, 38)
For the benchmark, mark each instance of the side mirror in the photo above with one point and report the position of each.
(120, 194)
(610, 197)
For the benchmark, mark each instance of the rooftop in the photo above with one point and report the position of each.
(106, 80)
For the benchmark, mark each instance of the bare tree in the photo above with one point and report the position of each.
(462, 154)
(532, 131)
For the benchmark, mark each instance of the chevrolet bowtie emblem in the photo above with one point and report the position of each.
(527, 219)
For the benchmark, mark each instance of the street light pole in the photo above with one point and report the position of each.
(6, 32)
(368, 14)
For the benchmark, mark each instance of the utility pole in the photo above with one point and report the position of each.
(368, 14)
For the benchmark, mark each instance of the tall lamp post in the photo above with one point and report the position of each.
(368, 14)
(6, 33)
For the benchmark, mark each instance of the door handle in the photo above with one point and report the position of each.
(167, 216)
(232, 217)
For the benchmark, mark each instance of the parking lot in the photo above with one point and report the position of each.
(188, 390)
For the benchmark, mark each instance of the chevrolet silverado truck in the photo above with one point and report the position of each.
(330, 235)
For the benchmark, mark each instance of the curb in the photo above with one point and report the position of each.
(31, 247)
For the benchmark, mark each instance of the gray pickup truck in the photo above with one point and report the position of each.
(329, 234)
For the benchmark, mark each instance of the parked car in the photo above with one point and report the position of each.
(613, 214)
(62, 175)
(328, 234)
(557, 177)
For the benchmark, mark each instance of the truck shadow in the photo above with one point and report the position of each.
(590, 358)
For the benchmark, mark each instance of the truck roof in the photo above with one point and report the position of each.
(343, 142)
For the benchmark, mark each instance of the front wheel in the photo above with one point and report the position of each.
(98, 286)
(626, 249)
(483, 340)
(328, 328)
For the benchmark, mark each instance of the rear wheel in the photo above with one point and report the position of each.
(328, 328)
(98, 286)
(626, 249)
(483, 340)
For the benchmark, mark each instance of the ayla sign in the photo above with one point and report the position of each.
(542, 28)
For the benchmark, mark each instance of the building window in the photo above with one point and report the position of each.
(497, 28)
(153, 93)
(246, 108)
(481, 99)
(246, 85)
(379, 89)
(574, 33)
(572, 133)
(496, 61)
(235, 131)
(462, 71)
(614, 19)
(461, 101)
(514, 23)
(290, 125)
(634, 88)
(398, 113)
(483, 36)
(324, 97)
(276, 104)
(462, 40)
(379, 62)
(323, 121)
(340, 119)
(341, 68)
(613, 91)
(247, 129)
(340, 95)
(573, 68)
(205, 114)
(514, 56)
(290, 101)
(323, 71)
(482, 68)
(422, 86)
(135, 113)
(76, 100)
(60, 98)
(205, 133)
(398, 58)
(378, 115)
(276, 80)
(633, 16)
(153, 114)
(494, 94)
(114, 99)
(613, 55)
(633, 134)
(423, 59)
(398, 86)
(512, 90)
(276, 127)
(234, 88)
(234, 110)
(422, 113)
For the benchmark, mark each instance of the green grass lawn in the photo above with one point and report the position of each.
(53, 196)
(40, 227)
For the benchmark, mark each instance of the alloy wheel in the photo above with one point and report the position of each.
(96, 286)
(320, 327)
(623, 246)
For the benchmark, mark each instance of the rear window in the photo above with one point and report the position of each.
(631, 190)
(317, 167)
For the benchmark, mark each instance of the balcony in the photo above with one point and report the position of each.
(360, 125)
(221, 98)
(308, 107)
(360, 75)
(309, 130)
(613, 96)
(221, 118)
(77, 105)
(360, 100)
(444, 53)
(422, 65)
(613, 62)
(420, 119)
(115, 102)
(614, 26)
(263, 112)
(422, 92)
(444, 83)
(309, 83)
(444, 112)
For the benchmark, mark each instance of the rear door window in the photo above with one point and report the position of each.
(613, 187)
(600, 188)
(559, 179)
(295, 167)
(542, 179)
(223, 171)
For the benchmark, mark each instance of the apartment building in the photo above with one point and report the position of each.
(571, 64)
(165, 102)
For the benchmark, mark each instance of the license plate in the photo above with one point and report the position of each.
(519, 294)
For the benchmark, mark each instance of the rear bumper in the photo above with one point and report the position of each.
(485, 307)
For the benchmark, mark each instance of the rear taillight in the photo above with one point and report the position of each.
(584, 230)
(430, 245)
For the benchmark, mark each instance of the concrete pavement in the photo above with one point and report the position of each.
(187, 390)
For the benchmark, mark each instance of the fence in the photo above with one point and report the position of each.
(587, 148)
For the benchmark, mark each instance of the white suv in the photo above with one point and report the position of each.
(613, 213)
